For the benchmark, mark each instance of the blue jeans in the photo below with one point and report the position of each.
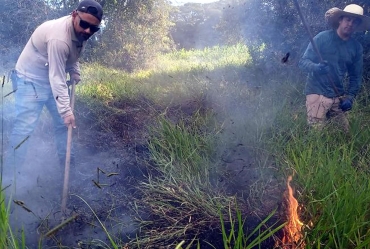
(30, 99)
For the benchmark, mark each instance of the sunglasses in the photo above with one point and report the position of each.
(85, 25)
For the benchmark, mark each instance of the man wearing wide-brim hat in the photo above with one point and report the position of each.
(327, 95)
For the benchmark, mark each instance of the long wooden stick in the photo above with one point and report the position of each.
(314, 45)
(68, 154)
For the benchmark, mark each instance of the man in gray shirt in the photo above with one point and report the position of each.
(326, 93)
(41, 71)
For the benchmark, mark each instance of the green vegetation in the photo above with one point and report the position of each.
(181, 195)
(181, 192)
(236, 238)
(8, 239)
(196, 104)
(332, 172)
(182, 150)
(206, 59)
(3, 219)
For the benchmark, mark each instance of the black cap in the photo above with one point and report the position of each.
(91, 7)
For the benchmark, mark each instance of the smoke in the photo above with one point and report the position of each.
(245, 102)
(35, 189)
(182, 2)
(246, 99)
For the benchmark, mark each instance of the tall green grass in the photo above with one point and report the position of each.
(208, 58)
(183, 149)
(178, 197)
(331, 169)
(3, 220)
(8, 239)
(177, 76)
(237, 238)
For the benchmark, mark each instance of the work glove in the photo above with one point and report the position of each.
(346, 104)
(321, 68)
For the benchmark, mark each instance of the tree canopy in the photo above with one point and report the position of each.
(135, 31)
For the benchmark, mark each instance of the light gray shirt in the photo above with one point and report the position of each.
(51, 52)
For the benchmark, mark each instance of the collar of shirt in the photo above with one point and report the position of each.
(339, 39)
(73, 34)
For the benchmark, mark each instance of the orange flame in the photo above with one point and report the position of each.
(292, 238)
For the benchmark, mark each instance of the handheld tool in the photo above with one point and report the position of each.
(315, 47)
(68, 152)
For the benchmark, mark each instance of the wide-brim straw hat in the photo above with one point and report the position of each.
(333, 15)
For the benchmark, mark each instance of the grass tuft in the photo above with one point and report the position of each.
(332, 173)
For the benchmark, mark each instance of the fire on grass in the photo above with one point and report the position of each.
(292, 232)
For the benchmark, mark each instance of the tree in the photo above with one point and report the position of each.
(195, 25)
(19, 18)
(135, 32)
(277, 27)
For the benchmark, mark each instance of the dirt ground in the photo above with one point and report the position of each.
(109, 165)
(106, 168)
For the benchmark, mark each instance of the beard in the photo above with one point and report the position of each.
(83, 37)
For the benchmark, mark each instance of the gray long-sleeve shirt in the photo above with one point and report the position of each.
(51, 52)
(344, 57)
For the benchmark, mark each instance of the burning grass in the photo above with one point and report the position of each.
(293, 234)
(182, 199)
(332, 177)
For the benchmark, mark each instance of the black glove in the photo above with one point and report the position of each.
(346, 104)
(321, 68)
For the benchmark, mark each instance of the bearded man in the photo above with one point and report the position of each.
(40, 75)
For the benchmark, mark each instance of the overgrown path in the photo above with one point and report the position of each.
(112, 158)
